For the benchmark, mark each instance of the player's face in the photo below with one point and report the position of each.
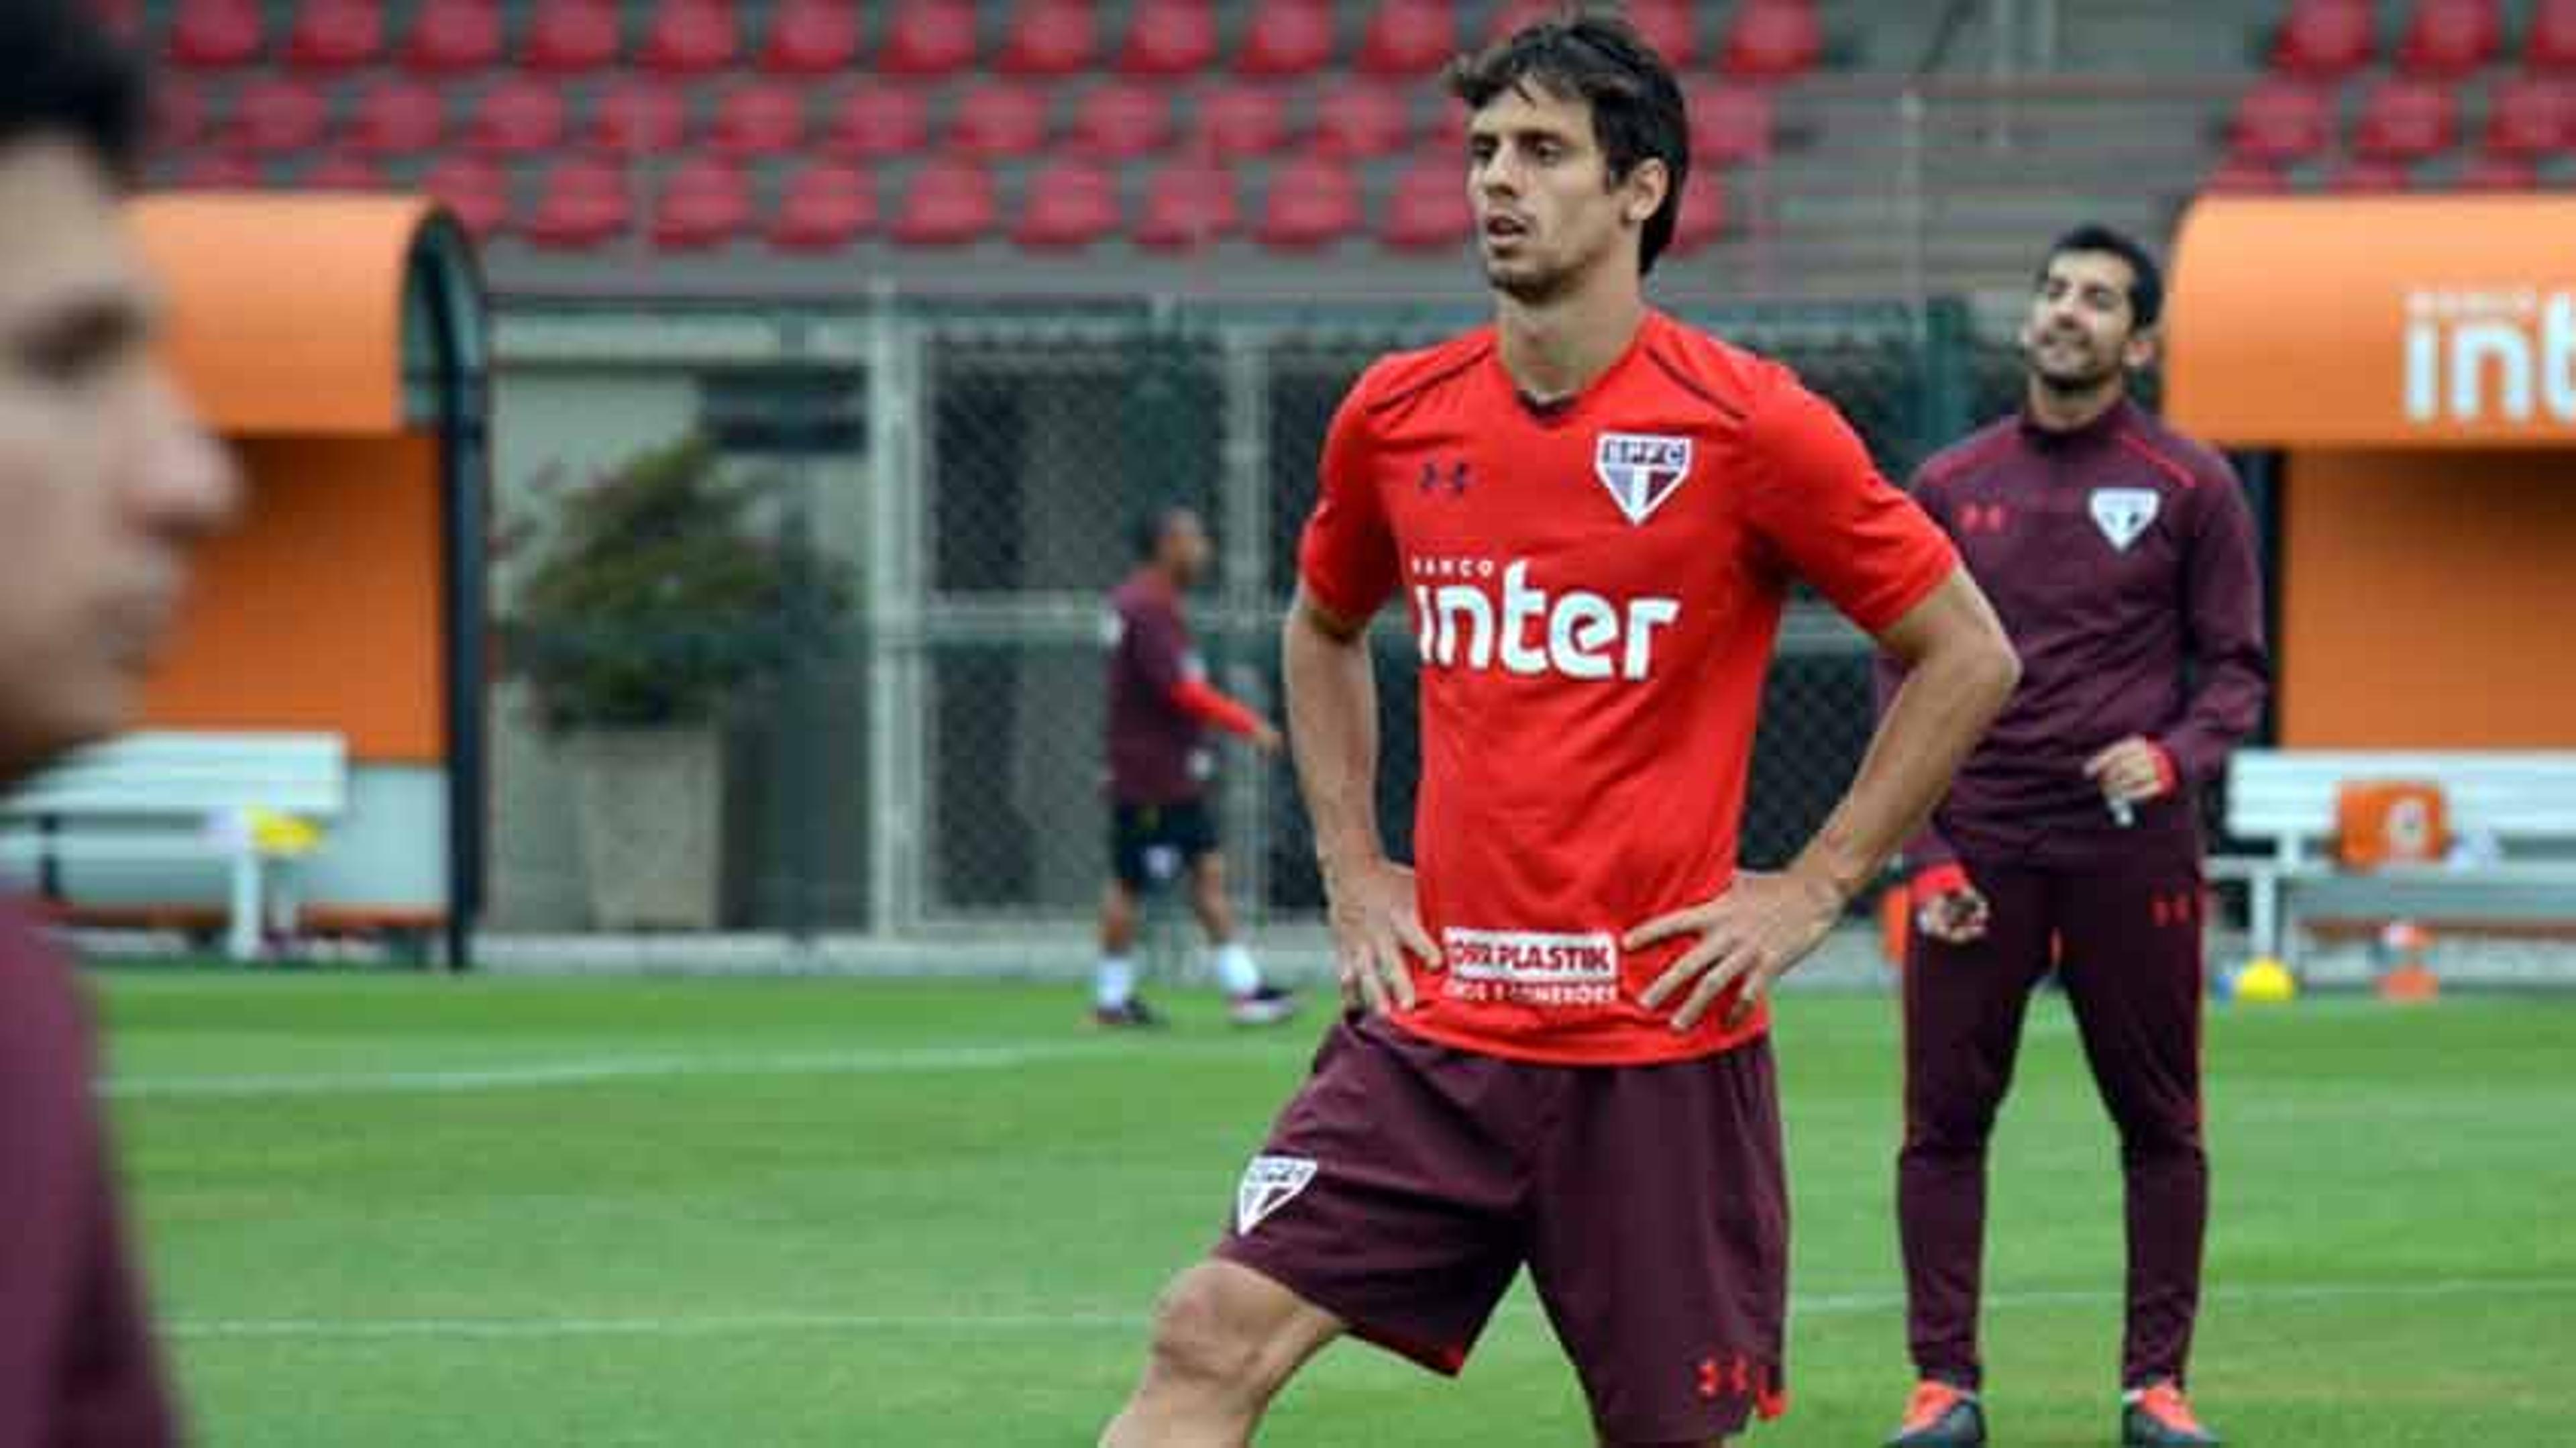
(1186, 549)
(106, 478)
(2081, 333)
(1547, 212)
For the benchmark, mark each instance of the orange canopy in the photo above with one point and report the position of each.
(2405, 320)
(286, 311)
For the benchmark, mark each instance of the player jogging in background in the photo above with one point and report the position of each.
(1555, 1052)
(106, 484)
(2121, 557)
(1160, 709)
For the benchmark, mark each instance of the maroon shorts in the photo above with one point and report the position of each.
(1408, 1180)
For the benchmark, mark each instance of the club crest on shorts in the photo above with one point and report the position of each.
(2124, 513)
(1269, 1183)
(1640, 469)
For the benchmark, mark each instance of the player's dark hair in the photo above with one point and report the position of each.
(1145, 531)
(2147, 280)
(63, 74)
(1637, 109)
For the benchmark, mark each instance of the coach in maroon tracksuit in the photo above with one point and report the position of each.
(2120, 556)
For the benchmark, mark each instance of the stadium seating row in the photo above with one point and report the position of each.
(2402, 119)
(2330, 39)
(1112, 119)
(585, 203)
(1761, 38)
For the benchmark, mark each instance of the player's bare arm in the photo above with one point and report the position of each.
(1960, 670)
(1332, 726)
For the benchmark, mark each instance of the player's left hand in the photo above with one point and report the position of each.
(2131, 770)
(1761, 925)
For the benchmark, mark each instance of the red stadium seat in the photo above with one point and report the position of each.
(691, 37)
(1669, 26)
(2370, 176)
(2531, 115)
(216, 34)
(1121, 119)
(2242, 176)
(1429, 210)
(826, 207)
(1703, 215)
(2451, 37)
(2281, 120)
(569, 37)
(704, 203)
(473, 188)
(999, 118)
(1050, 37)
(1070, 204)
(347, 173)
(1360, 120)
(1287, 38)
(449, 37)
(521, 116)
(2324, 39)
(337, 34)
(1311, 203)
(398, 117)
(1169, 37)
(1238, 121)
(811, 37)
(1188, 204)
(582, 206)
(950, 203)
(1773, 40)
(2550, 43)
(930, 37)
(878, 120)
(278, 114)
(220, 171)
(2406, 120)
(2491, 172)
(179, 114)
(1409, 37)
(761, 119)
(638, 115)
(1729, 123)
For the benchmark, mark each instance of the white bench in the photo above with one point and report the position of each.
(2524, 799)
(178, 796)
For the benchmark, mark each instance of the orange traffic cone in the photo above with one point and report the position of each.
(2404, 978)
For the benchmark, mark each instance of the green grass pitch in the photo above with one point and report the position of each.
(420, 1211)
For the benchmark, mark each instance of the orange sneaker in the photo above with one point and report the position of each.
(1940, 1416)
(2159, 1416)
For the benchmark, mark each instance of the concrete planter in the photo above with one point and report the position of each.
(651, 806)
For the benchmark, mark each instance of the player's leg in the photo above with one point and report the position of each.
(1250, 1001)
(1113, 982)
(1386, 1202)
(2134, 974)
(1660, 1244)
(1226, 1340)
(1963, 1009)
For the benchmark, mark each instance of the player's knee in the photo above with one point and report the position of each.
(1200, 1341)
(1952, 1129)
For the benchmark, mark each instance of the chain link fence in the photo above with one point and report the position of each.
(930, 761)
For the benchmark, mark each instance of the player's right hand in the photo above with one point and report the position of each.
(1266, 738)
(1956, 916)
(1375, 920)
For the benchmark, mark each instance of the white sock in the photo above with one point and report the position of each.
(1114, 984)
(1235, 970)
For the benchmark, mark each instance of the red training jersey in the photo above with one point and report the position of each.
(1595, 588)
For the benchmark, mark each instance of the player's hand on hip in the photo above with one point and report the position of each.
(1761, 925)
(1375, 920)
(2133, 769)
(1956, 916)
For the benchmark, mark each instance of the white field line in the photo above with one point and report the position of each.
(762, 1324)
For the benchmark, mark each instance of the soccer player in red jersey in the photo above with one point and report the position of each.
(105, 482)
(2120, 555)
(1555, 1056)
(1161, 706)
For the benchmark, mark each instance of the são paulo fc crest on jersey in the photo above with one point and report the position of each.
(2124, 513)
(1641, 469)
